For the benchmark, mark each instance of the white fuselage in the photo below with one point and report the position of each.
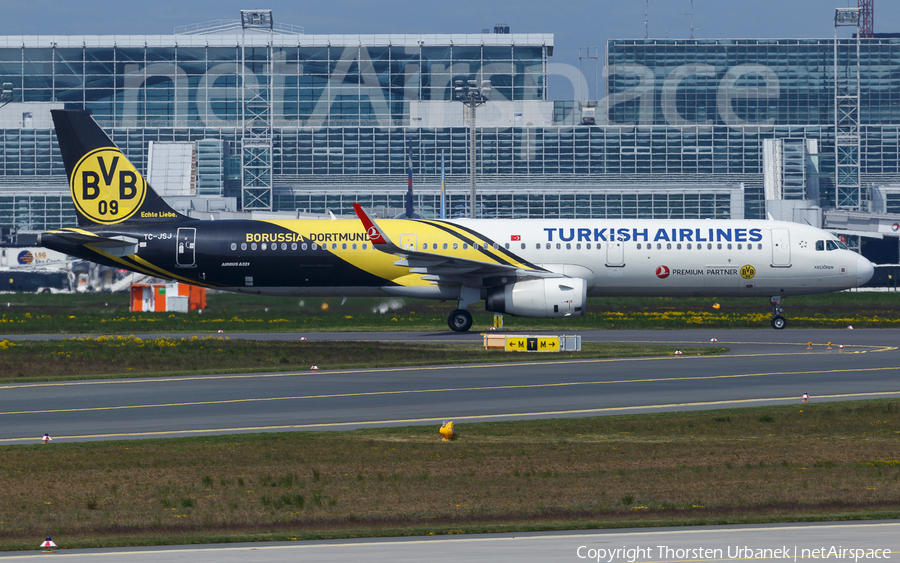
(684, 257)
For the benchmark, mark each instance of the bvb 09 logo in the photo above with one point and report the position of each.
(106, 187)
(748, 271)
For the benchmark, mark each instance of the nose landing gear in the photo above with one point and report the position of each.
(778, 321)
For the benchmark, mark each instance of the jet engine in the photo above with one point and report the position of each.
(542, 298)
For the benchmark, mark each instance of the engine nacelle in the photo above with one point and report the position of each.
(542, 298)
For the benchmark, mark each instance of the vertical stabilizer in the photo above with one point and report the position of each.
(106, 188)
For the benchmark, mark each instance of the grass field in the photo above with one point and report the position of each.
(802, 462)
(129, 356)
(108, 314)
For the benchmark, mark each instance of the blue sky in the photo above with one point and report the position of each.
(578, 23)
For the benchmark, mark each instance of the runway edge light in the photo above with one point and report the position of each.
(713, 340)
(806, 397)
(314, 367)
(677, 352)
(46, 439)
(446, 431)
(48, 543)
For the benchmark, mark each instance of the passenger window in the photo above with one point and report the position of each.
(284, 246)
(465, 246)
(668, 246)
(759, 246)
(659, 246)
(263, 246)
(548, 246)
(334, 246)
(820, 245)
(303, 246)
(709, 246)
(496, 246)
(568, 246)
(598, 246)
(455, 245)
(638, 246)
(243, 246)
(234, 246)
(729, 246)
(739, 246)
(445, 246)
(688, 246)
(588, 246)
(365, 246)
(315, 246)
(485, 246)
(253, 246)
(678, 246)
(578, 246)
(719, 246)
(354, 246)
(558, 246)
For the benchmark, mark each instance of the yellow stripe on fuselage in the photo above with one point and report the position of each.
(403, 232)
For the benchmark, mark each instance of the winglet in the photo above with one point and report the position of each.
(376, 235)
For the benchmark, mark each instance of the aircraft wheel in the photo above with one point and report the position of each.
(460, 320)
(778, 322)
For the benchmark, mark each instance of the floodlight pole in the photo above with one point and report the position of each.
(472, 96)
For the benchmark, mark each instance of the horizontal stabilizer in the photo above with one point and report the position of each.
(114, 246)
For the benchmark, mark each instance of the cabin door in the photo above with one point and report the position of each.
(184, 253)
(781, 248)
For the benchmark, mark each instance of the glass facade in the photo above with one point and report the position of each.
(196, 80)
(735, 93)
(694, 113)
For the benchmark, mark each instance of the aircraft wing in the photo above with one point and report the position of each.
(442, 268)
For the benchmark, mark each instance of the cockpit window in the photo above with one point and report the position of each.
(831, 245)
(841, 245)
(820, 245)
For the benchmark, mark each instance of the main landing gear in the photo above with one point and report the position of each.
(778, 321)
(460, 320)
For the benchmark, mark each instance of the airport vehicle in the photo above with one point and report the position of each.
(524, 267)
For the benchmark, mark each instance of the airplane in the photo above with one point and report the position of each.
(522, 267)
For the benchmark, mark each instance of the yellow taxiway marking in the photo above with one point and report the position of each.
(443, 390)
(407, 421)
(510, 364)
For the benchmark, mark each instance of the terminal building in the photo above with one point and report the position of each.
(259, 117)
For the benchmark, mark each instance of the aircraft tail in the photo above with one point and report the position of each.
(106, 188)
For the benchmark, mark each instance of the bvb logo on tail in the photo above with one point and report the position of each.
(107, 189)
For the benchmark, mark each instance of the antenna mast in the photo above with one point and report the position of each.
(646, 15)
(692, 18)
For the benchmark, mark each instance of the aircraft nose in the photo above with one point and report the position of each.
(864, 271)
